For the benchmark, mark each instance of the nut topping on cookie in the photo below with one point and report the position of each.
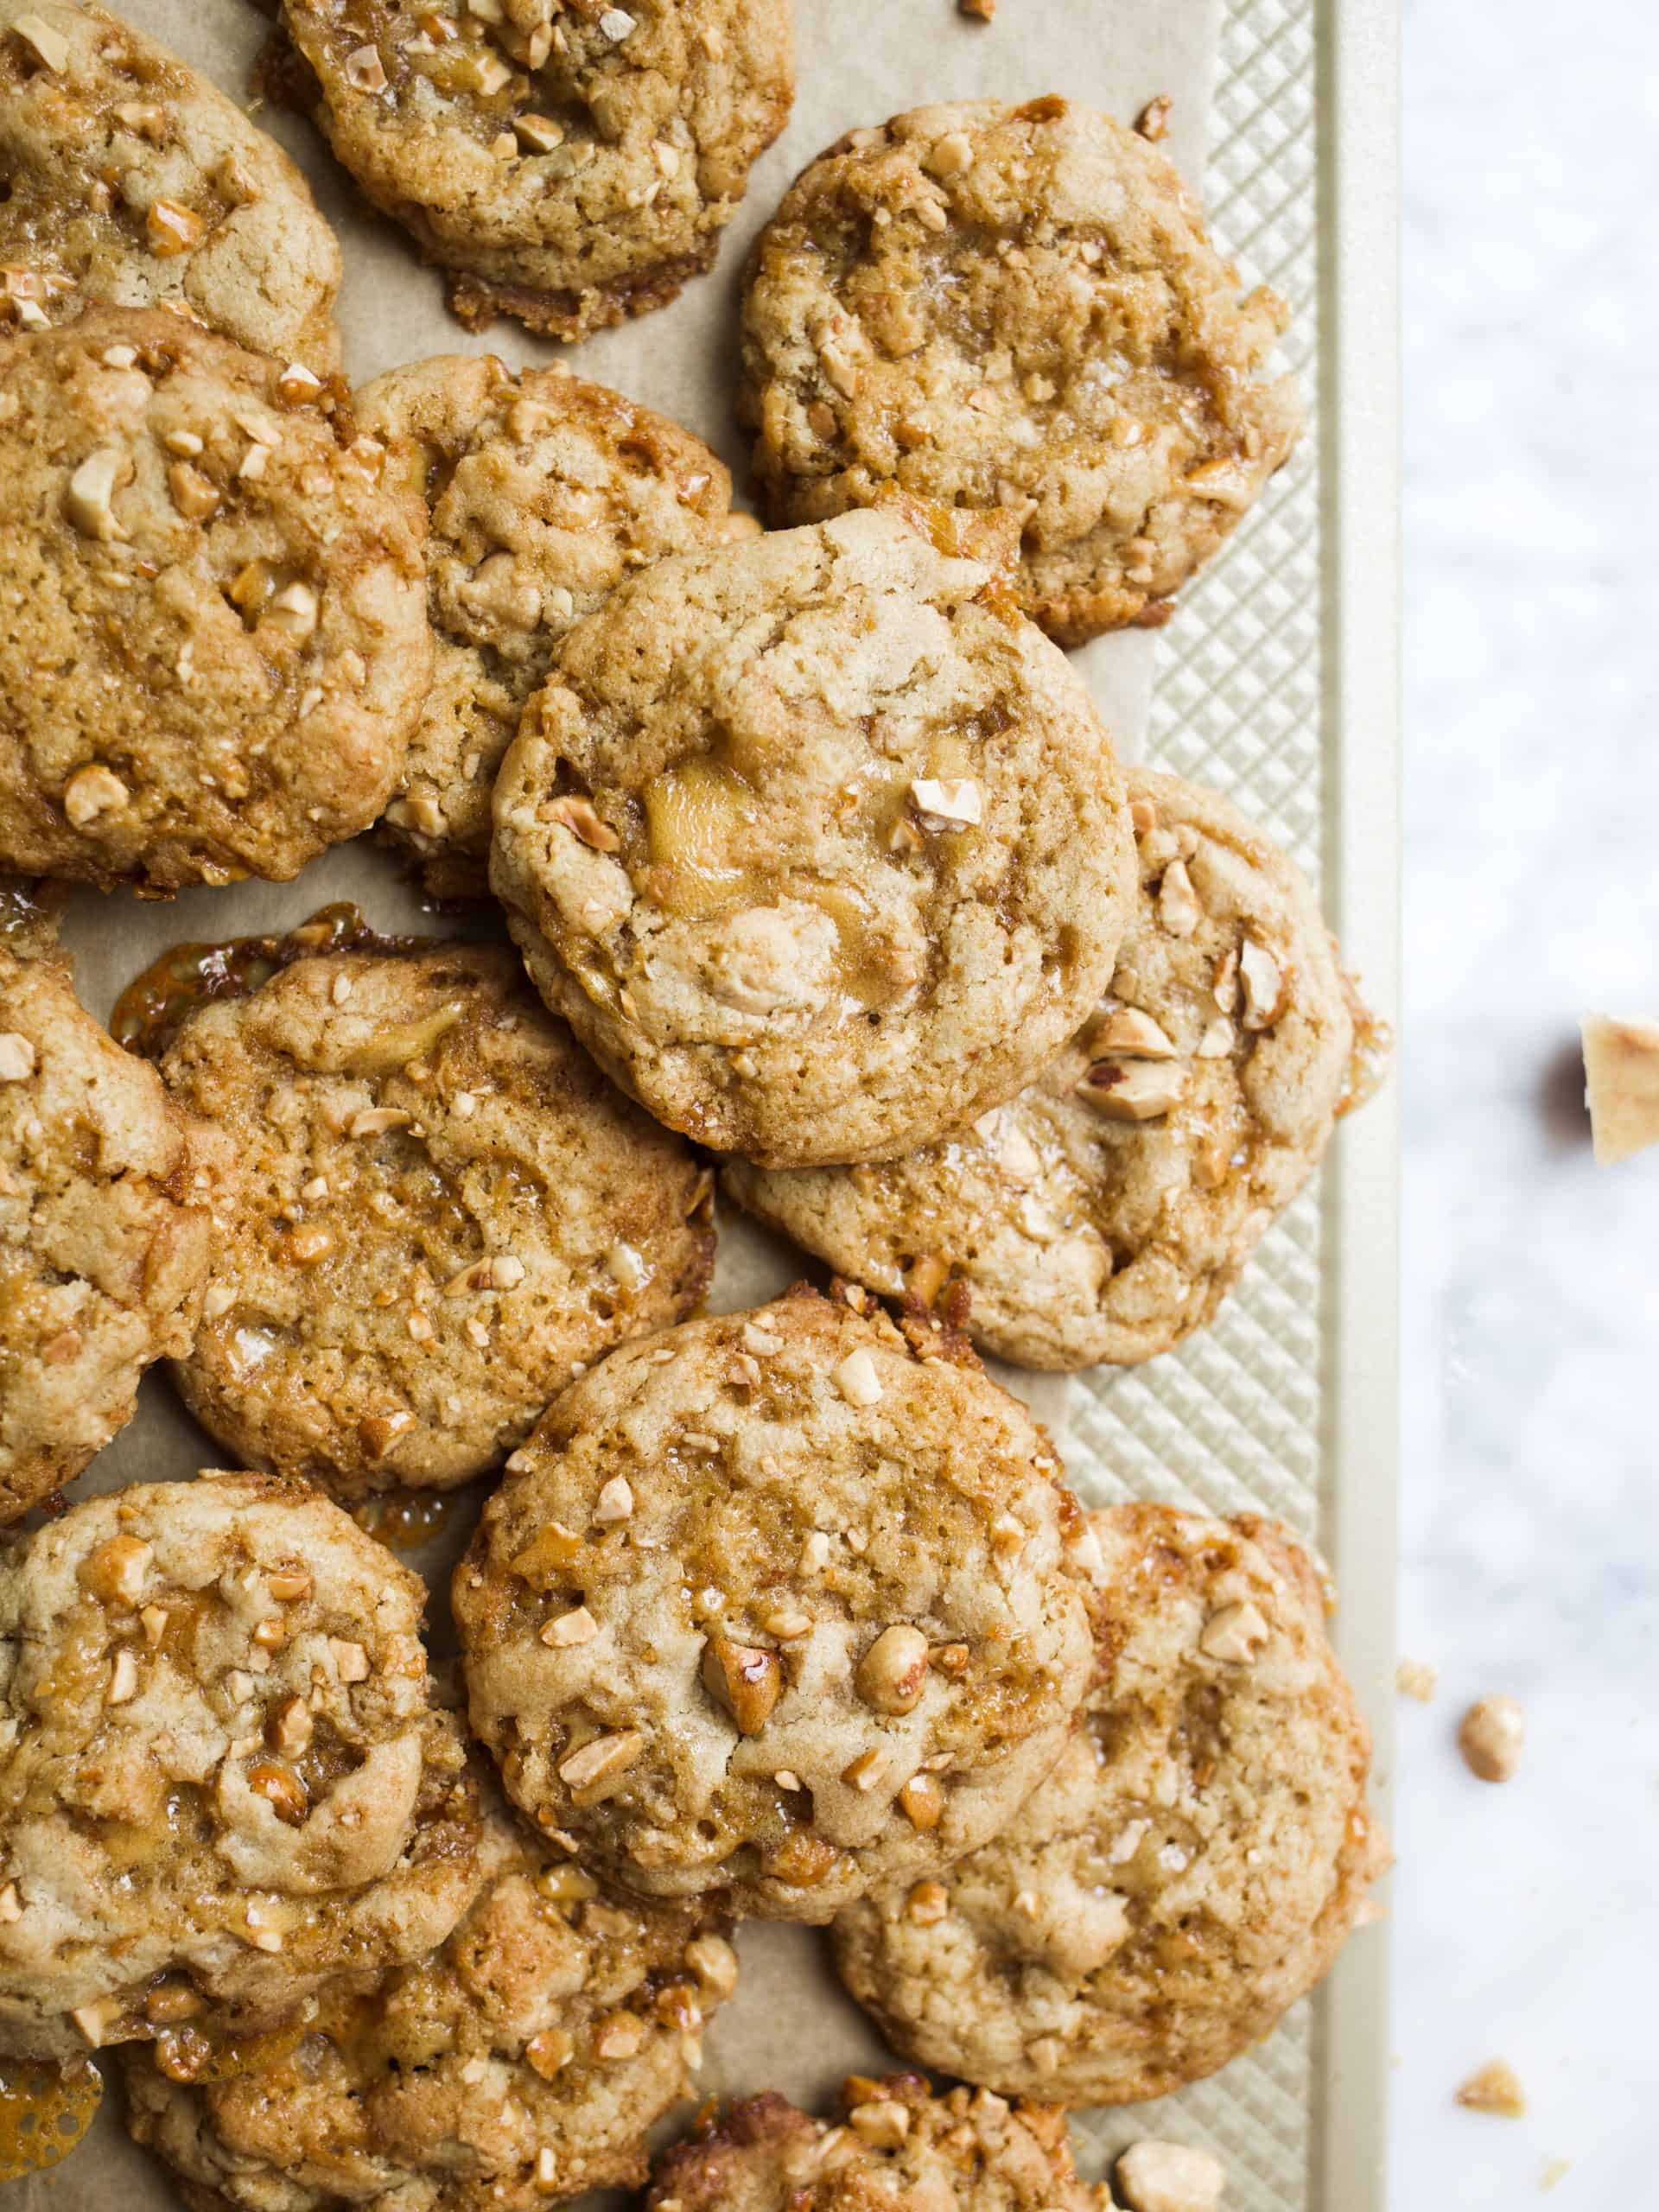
(744, 1678)
(893, 1673)
(1137, 1092)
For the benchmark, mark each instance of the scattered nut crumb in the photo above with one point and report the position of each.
(1491, 1735)
(981, 11)
(1621, 1068)
(1414, 1678)
(1156, 2176)
(1494, 2088)
(1152, 122)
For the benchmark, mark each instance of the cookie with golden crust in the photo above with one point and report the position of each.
(222, 1782)
(1016, 307)
(105, 1230)
(567, 162)
(900, 2144)
(442, 1211)
(130, 179)
(776, 1605)
(544, 492)
(819, 846)
(519, 2064)
(1192, 1867)
(1105, 1213)
(213, 643)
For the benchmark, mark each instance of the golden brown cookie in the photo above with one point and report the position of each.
(221, 1780)
(518, 2065)
(545, 491)
(442, 1211)
(899, 2145)
(569, 163)
(818, 844)
(1105, 1213)
(106, 1232)
(776, 1605)
(1190, 1867)
(130, 179)
(214, 644)
(1016, 309)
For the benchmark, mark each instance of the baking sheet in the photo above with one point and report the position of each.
(1248, 697)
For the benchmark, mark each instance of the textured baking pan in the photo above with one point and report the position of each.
(1275, 681)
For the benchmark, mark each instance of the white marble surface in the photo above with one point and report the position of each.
(1527, 1918)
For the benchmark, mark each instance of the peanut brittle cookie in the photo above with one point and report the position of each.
(1105, 1213)
(130, 179)
(1016, 309)
(519, 2064)
(442, 1212)
(105, 1231)
(899, 2145)
(213, 643)
(221, 1781)
(818, 844)
(1192, 1867)
(775, 1605)
(569, 163)
(545, 491)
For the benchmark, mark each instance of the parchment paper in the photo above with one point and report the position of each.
(789, 2028)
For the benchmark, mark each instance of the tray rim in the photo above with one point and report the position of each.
(1358, 185)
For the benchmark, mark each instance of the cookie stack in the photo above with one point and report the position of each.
(798, 866)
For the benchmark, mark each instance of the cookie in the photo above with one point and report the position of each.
(1190, 1867)
(819, 847)
(1106, 1212)
(131, 179)
(774, 1606)
(214, 644)
(221, 1780)
(443, 1212)
(566, 162)
(29, 917)
(900, 2144)
(106, 1232)
(545, 491)
(1016, 309)
(520, 2064)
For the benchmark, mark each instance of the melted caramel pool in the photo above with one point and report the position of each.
(44, 2112)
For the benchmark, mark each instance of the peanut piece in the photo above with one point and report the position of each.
(744, 1680)
(1490, 1736)
(893, 1673)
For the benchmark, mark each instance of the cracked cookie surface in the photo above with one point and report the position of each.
(819, 846)
(569, 163)
(1016, 309)
(544, 492)
(130, 179)
(221, 1780)
(1105, 1213)
(213, 643)
(105, 1229)
(898, 2146)
(519, 2064)
(1190, 1867)
(775, 1605)
(442, 1211)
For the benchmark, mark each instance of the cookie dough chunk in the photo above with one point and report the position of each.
(105, 1231)
(519, 2065)
(567, 162)
(1016, 307)
(777, 1606)
(443, 1211)
(212, 625)
(819, 846)
(1106, 1212)
(900, 2144)
(221, 1782)
(1190, 1867)
(132, 179)
(545, 493)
